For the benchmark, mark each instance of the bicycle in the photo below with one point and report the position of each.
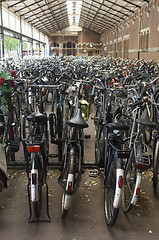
(73, 156)
(140, 157)
(36, 157)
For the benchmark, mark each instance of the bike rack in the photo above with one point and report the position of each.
(32, 219)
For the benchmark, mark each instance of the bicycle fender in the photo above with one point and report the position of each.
(118, 190)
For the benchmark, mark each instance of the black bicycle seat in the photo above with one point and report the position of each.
(77, 120)
(117, 126)
(37, 117)
(145, 120)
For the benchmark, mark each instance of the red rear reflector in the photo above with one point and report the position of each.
(109, 84)
(89, 86)
(34, 149)
(137, 190)
(120, 181)
(69, 186)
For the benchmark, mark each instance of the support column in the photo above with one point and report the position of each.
(39, 48)
(116, 41)
(44, 50)
(1, 33)
(139, 35)
(20, 40)
(31, 45)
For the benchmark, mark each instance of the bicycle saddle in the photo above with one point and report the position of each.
(37, 117)
(145, 120)
(77, 120)
(119, 125)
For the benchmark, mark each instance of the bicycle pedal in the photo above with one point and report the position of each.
(87, 136)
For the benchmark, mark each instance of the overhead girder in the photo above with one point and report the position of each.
(46, 22)
(57, 18)
(38, 8)
(89, 19)
(52, 15)
(14, 4)
(30, 5)
(115, 10)
(134, 4)
(110, 14)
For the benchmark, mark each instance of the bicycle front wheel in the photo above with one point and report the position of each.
(110, 211)
(129, 183)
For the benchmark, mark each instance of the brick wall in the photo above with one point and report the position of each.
(137, 36)
(87, 43)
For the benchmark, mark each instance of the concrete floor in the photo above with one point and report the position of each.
(85, 219)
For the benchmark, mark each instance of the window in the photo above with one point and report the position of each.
(90, 45)
(69, 45)
(5, 18)
(144, 40)
(55, 44)
(17, 22)
(12, 22)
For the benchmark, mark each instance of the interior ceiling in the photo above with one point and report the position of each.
(50, 16)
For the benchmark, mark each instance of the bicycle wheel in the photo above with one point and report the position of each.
(155, 164)
(68, 180)
(129, 183)
(36, 185)
(99, 145)
(24, 124)
(110, 211)
(59, 132)
(65, 204)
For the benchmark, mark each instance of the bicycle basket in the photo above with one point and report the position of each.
(85, 109)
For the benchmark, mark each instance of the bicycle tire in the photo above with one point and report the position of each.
(110, 211)
(99, 146)
(64, 211)
(59, 132)
(156, 108)
(37, 204)
(129, 183)
(54, 100)
(155, 165)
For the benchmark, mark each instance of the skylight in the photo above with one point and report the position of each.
(74, 11)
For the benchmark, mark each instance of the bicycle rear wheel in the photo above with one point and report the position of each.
(99, 143)
(155, 165)
(36, 185)
(110, 211)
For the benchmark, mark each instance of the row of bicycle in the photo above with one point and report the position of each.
(124, 98)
